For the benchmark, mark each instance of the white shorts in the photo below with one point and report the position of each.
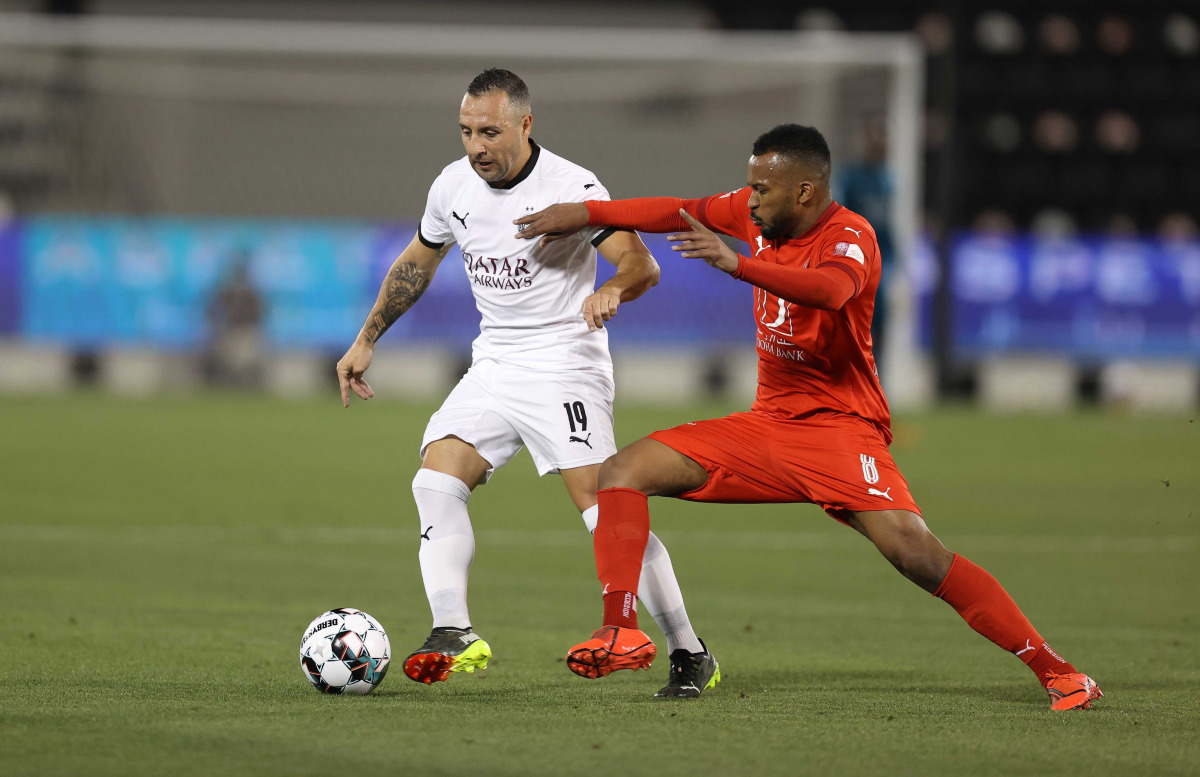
(565, 418)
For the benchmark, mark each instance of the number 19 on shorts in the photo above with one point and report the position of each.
(576, 416)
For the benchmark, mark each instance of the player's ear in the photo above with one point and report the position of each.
(804, 192)
(526, 124)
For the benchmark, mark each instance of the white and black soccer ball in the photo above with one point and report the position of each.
(345, 651)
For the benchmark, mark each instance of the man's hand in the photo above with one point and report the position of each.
(703, 243)
(600, 307)
(351, 368)
(556, 222)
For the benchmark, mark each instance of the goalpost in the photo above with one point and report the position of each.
(317, 119)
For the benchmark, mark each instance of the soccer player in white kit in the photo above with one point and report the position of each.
(540, 375)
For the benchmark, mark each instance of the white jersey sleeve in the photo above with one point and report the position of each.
(434, 231)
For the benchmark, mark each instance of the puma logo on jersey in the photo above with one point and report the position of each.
(582, 440)
(588, 185)
(462, 219)
(884, 493)
(761, 246)
(857, 232)
(425, 534)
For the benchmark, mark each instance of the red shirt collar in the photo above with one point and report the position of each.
(825, 217)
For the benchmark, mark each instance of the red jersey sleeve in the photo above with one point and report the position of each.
(645, 214)
(823, 287)
(726, 213)
(851, 254)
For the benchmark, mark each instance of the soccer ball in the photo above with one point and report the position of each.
(345, 651)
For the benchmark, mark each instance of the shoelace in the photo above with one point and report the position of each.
(692, 663)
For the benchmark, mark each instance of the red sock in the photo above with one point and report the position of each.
(986, 607)
(622, 529)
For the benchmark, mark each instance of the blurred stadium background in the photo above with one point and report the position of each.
(203, 192)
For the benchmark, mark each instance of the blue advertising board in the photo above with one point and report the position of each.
(89, 282)
(1090, 298)
(10, 277)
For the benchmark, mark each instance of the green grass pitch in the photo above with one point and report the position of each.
(159, 559)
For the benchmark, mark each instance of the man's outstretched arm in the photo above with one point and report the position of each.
(404, 284)
(824, 288)
(646, 214)
(636, 273)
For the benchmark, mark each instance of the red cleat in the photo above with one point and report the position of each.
(1072, 691)
(611, 648)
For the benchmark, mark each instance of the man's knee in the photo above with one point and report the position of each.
(618, 471)
(653, 468)
(453, 456)
(924, 562)
(911, 548)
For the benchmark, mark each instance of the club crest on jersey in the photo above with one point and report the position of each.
(851, 250)
(493, 273)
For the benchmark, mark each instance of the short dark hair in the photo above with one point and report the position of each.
(504, 80)
(800, 144)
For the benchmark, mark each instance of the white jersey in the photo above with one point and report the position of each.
(531, 298)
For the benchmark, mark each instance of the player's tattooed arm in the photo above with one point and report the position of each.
(402, 287)
(406, 281)
(404, 284)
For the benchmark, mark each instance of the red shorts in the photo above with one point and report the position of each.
(837, 461)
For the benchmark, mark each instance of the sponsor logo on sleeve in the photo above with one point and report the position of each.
(851, 250)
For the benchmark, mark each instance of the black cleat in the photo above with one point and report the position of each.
(691, 674)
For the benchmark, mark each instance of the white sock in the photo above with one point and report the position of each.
(659, 592)
(447, 545)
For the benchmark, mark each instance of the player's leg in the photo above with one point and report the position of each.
(463, 444)
(719, 460)
(640, 470)
(450, 471)
(904, 540)
(693, 667)
(566, 421)
(658, 587)
(621, 541)
(442, 486)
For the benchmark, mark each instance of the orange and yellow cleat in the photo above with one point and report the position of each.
(611, 648)
(446, 650)
(1074, 691)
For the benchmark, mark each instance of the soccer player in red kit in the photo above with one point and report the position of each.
(819, 428)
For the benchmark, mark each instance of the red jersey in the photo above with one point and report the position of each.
(808, 359)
